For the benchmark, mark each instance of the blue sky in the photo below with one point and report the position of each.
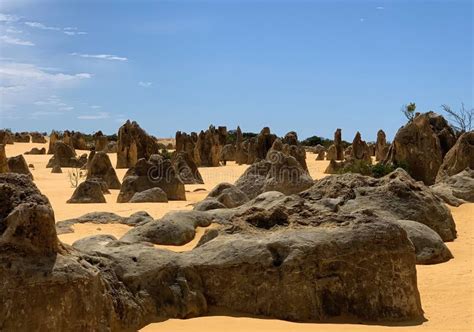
(309, 66)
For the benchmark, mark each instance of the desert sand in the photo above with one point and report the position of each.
(446, 289)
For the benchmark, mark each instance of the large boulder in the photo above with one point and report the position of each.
(429, 247)
(420, 146)
(17, 164)
(3, 160)
(331, 153)
(88, 191)
(228, 195)
(65, 156)
(152, 195)
(47, 286)
(381, 147)
(458, 158)
(363, 267)
(456, 189)
(78, 141)
(186, 169)
(147, 174)
(174, 228)
(134, 144)
(395, 196)
(101, 167)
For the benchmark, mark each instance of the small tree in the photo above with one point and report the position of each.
(461, 120)
(75, 176)
(409, 111)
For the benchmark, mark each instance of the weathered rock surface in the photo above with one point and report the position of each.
(152, 195)
(228, 195)
(147, 174)
(429, 247)
(88, 192)
(394, 196)
(36, 151)
(331, 153)
(174, 228)
(458, 158)
(17, 164)
(101, 167)
(134, 144)
(457, 189)
(363, 267)
(138, 218)
(65, 156)
(47, 286)
(421, 145)
(186, 168)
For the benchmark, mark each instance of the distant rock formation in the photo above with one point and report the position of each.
(53, 138)
(36, 151)
(6, 137)
(65, 156)
(22, 137)
(338, 144)
(186, 169)
(360, 149)
(381, 147)
(37, 138)
(134, 144)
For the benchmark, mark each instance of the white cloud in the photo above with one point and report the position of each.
(98, 116)
(74, 33)
(24, 85)
(70, 31)
(380, 8)
(13, 30)
(29, 73)
(38, 25)
(95, 107)
(8, 18)
(15, 41)
(110, 57)
(362, 20)
(145, 84)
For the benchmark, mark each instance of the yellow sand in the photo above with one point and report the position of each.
(446, 289)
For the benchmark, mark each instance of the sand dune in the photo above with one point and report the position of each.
(446, 289)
